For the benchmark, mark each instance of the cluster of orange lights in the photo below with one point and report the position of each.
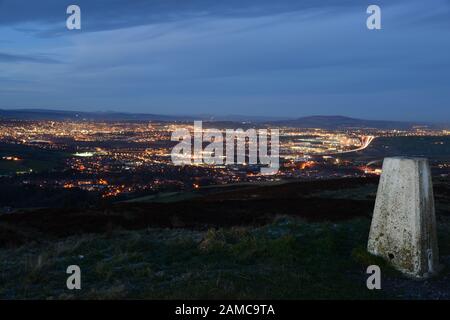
(103, 182)
(306, 165)
(80, 167)
(369, 170)
(70, 185)
(115, 191)
(112, 191)
(11, 158)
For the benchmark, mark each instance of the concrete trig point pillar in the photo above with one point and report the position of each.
(403, 229)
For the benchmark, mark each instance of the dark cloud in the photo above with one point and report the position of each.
(7, 57)
(101, 15)
(114, 14)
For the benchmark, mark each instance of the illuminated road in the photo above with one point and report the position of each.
(366, 141)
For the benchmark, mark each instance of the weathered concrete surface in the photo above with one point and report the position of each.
(403, 229)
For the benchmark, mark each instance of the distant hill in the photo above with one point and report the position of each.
(43, 114)
(325, 122)
(337, 122)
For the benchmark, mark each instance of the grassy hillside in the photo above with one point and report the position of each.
(288, 259)
(281, 257)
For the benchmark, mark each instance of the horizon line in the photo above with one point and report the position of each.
(243, 116)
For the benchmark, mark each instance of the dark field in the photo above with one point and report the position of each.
(35, 159)
(211, 207)
(433, 148)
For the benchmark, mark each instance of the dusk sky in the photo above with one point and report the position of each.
(284, 58)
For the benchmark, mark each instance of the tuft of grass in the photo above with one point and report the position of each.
(365, 259)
